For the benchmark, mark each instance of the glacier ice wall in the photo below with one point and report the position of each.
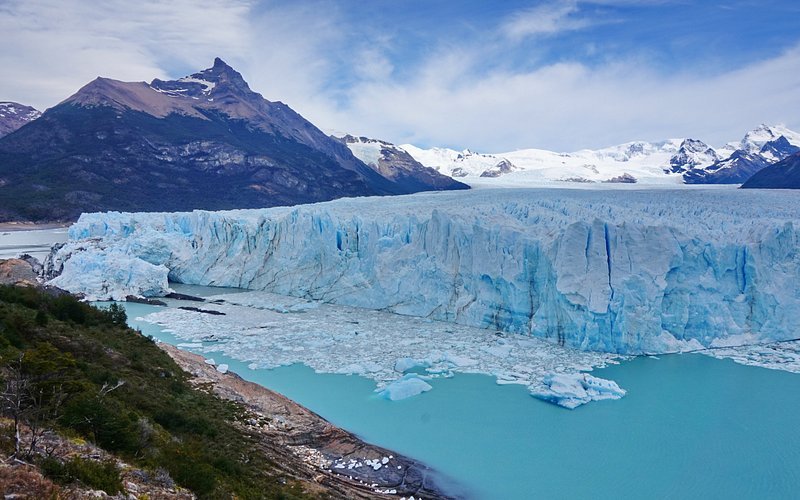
(627, 271)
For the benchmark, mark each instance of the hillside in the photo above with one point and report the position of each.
(81, 372)
(782, 175)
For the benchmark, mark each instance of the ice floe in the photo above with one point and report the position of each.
(776, 356)
(267, 330)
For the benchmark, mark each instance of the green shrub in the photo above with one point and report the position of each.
(98, 475)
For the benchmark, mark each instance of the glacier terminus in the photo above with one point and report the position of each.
(622, 270)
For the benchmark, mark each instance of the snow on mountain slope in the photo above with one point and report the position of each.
(14, 115)
(674, 161)
(397, 165)
(652, 271)
(646, 162)
(456, 164)
(760, 148)
(754, 140)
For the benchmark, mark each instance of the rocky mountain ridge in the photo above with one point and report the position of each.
(205, 141)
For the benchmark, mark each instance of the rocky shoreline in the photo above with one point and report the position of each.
(308, 447)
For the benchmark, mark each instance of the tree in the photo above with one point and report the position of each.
(15, 398)
(29, 404)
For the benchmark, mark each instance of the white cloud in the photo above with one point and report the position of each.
(569, 106)
(545, 19)
(53, 47)
(460, 94)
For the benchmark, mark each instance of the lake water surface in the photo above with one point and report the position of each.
(690, 427)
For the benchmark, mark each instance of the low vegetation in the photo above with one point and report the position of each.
(82, 372)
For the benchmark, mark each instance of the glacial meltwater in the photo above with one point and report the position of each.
(690, 426)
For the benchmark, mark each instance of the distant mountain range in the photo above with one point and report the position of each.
(14, 115)
(206, 141)
(674, 161)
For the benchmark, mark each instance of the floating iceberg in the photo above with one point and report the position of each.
(406, 387)
(574, 389)
(623, 271)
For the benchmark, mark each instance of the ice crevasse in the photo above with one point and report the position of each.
(624, 271)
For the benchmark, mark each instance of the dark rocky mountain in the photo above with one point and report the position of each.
(396, 164)
(206, 141)
(742, 164)
(782, 175)
(503, 167)
(14, 115)
(692, 154)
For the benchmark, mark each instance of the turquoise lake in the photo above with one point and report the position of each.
(690, 427)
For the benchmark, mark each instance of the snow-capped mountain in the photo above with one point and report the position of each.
(692, 154)
(642, 161)
(460, 164)
(673, 161)
(14, 115)
(396, 164)
(758, 149)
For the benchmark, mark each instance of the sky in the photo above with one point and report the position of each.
(491, 76)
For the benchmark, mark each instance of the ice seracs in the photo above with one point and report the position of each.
(652, 271)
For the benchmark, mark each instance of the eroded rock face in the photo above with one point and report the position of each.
(19, 272)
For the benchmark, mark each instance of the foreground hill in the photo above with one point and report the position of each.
(102, 407)
(204, 141)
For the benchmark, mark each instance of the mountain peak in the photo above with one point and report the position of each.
(217, 82)
(14, 115)
(754, 140)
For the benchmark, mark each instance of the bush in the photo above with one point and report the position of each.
(21, 482)
(98, 475)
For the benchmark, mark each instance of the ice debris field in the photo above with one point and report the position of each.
(400, 353)
(629, 271)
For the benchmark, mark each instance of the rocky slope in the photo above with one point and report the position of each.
(14, 115)
(204, 141)
(311, 447)
(782, 175)
(396, 164)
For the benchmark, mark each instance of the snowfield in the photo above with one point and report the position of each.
(625, 271)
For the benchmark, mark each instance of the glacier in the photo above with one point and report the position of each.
(622, 270)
